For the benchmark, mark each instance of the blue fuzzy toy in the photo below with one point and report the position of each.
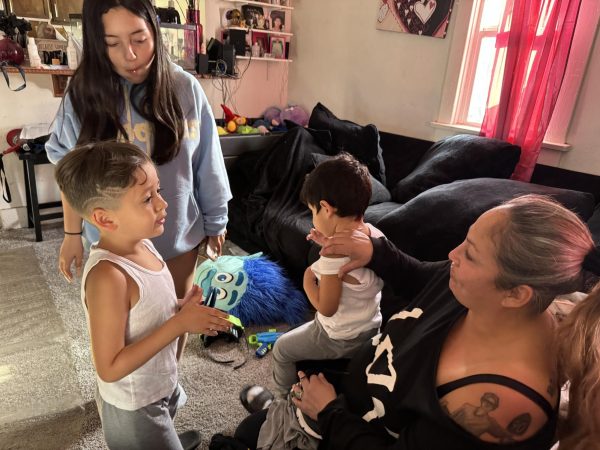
(252, 288)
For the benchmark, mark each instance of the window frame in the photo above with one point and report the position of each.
(451, 103)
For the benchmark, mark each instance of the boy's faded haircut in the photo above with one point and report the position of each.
(341, 181)
(97, 175)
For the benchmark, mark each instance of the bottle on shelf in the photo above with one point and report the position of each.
(256, 50)
(72, 56)
(172, 13)
(34, 56)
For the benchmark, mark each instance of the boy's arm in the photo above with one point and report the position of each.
(108, 292)
(325, 296)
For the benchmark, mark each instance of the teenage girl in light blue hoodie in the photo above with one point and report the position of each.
(126, 88)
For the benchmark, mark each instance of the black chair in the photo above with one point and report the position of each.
(34, 217)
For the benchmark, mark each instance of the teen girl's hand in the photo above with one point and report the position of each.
(71, 251)
(312, 395)
(194, 317)
(214, 247)
(355, 244)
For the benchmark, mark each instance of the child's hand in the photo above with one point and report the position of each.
(214, 246)
(316, 236)
(194, 317)
(195, 293)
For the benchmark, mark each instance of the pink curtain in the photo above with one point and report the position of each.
(532, 48)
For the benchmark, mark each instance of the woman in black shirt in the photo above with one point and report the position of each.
(471, 362)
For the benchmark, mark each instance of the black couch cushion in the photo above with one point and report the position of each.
(458, 157)
(379, 192)
(360, 141)
(433, 223)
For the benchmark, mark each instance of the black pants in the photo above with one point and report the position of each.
(248, 430)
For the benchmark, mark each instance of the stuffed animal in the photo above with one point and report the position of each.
(294, 113)
(232, 120)
(233, 17)
(252, 288)
(275, 118)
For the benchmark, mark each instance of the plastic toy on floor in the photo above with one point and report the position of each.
(252, 288)
(264, 340)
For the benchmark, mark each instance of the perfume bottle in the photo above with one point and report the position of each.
(172, 13)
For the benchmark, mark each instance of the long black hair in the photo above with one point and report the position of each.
(96, 91)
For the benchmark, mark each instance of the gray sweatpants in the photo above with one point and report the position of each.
(309, 341)
(150, 427)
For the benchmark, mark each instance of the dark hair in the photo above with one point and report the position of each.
(96, 91)
(97, 175)
(343, 182)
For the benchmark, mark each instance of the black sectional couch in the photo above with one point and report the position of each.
(425, 194)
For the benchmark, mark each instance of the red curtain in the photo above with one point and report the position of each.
(532, 48)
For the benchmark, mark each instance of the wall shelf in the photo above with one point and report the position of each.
(263, 4)
(60, 75)
(281, 60)
(260, 30)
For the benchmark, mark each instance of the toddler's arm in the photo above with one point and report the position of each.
(325, 296)
(109, 293)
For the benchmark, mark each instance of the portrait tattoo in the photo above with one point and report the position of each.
(478, 421)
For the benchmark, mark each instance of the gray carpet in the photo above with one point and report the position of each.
(47, 381)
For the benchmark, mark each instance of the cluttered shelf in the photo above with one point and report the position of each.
(60, 70)
(60, 75)
(263, 4)
(260, 30)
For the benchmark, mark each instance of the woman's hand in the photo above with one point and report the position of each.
(355, 244)
(316, 394)
(71, 251)
(214, 246)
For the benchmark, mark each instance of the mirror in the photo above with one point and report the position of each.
(62, 8)
(38, 9)
(57, 10)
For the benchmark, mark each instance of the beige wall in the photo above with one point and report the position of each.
(395, 80)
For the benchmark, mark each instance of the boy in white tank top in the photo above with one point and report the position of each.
(133, 314)
(337, 192)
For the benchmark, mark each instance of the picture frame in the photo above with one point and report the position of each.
(251, 14)
(277, 47)
(277, 20)
(263, 42)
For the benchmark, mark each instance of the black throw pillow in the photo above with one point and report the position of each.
(379, 192)
(362, 142)
(433, 223)
(458, 157)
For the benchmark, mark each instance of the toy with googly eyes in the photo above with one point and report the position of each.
(252, 288)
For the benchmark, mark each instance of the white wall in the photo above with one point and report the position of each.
(395, 80)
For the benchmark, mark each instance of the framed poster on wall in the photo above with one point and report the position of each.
(421, 17)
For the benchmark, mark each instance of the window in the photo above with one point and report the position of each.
(470, 66)
(478, 62)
